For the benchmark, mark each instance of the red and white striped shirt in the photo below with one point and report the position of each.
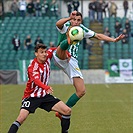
(37, 71)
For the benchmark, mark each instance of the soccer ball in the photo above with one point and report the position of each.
(76, 34)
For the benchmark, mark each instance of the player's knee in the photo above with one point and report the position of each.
(68, 111)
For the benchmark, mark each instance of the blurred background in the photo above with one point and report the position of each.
(25, 23)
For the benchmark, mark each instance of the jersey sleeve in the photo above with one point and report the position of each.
(64, 29)
(50, 52)
(87, 32)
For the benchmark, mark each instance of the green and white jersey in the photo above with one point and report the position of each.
(73, 49)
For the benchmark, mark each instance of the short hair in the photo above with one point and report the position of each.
(42, 46)
(79, 14)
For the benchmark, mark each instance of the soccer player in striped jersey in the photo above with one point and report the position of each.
(70, 65)
(38, 94)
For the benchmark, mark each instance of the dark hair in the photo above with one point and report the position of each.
(42, 46)
(79, 14)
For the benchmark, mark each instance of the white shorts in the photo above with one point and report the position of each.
(70, 67)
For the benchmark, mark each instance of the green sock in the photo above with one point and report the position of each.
(64, 45)
(72, 100)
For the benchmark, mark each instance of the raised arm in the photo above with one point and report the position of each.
(62, 21)
(109, 39)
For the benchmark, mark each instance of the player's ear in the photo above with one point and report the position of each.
(36, 53)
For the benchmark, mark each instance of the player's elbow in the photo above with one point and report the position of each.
(98, 36)
(59, 25)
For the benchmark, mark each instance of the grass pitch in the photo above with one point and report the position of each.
(104, 109)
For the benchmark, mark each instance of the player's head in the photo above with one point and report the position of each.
(40, 52)
(77, 20)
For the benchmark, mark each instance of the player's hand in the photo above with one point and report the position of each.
(119, 38)
(49, 91)
(73, 14)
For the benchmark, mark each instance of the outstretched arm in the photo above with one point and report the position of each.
(62, 21)
(109, 39)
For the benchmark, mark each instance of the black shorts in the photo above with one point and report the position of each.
(46, 103)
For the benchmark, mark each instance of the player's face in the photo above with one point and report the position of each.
(41, 55)
(76, 21)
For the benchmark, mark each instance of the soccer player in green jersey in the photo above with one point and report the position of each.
(69, 64)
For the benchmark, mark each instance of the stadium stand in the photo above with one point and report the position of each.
(117, 50)
(44, 27)
(33, 26)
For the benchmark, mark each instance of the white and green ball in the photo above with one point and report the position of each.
(76, 34)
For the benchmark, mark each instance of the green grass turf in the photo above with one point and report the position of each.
(104, 109)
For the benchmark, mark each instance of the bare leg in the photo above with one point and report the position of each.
(21, 118)
(66, 111)
(80, 91)
(61, 54)
(62, 108)
(79, 86)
